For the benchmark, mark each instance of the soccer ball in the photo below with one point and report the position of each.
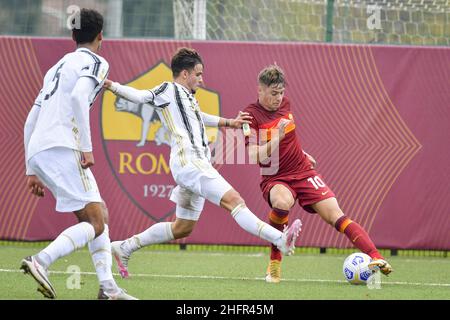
(356, 268)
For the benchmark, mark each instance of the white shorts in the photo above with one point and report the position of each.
(197, 181)
(189, 204)
(60, 170)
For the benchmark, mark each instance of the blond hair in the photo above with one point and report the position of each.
(271, 75)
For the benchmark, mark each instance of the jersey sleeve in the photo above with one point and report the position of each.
(162, 95)
(39, 98)
(30, 123)
(80, 103)
(210, 120)
(95, 68)
(158, 97)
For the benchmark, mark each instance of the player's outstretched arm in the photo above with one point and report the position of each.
(210, 120)
(242, 118)
(129, 93)
(215, 121)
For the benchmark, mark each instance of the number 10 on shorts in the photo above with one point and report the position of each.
(316, 182)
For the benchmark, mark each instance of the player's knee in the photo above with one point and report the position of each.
(99, 227)
(233, 199)
(105, 212)
(181, 231)
(282, 203)
(96, 217)
(93, 213)
(332, 216)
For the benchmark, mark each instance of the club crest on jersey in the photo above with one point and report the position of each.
(137, 145)
(102, 74)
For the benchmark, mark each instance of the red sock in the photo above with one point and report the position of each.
(278, 219)
(358, 236)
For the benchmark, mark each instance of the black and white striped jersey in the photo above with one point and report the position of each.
(180, 113)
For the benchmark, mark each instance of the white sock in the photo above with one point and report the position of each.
(158, 233)
(100, 249)
(68, 241)
(250, 223)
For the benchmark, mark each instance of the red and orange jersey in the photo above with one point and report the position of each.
(292, 160)
(266, 129)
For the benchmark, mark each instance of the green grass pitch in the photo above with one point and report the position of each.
(229, 275)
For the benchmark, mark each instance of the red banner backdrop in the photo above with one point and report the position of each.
(377, 119)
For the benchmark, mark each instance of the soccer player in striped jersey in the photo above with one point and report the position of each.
(58, 151)
(190, 162)
(273, 124)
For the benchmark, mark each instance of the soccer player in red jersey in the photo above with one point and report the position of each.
(273, 139)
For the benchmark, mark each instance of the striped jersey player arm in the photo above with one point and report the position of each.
(30, 123)
(155, 97)
(28, 129)
(210, 120)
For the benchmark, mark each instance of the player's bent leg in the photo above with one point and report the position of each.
(329, 210)
(122, 250)
(158, 233)
(69, 240)
(278, 219)
(96, 213)
(105, 213)
(215, 188)
(181, 228)
(56, 179)
(101, 253)
(285, 241)
(93, 214)
(281, 200)
(231, 199)
(281, 197)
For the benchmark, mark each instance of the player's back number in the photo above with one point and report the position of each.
(55, 80)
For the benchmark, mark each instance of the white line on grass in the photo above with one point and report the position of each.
(299, 255)
(182, 276)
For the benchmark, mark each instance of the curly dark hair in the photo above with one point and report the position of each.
(184, 59)
(91, 24)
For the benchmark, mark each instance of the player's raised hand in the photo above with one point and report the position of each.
(35, 186)
(242, 117)
(282, 127)
(87, 160)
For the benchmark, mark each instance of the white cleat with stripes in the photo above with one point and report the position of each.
(30, 266)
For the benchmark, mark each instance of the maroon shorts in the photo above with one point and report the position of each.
(308, 191)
